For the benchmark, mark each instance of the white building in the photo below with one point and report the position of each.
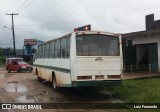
(143, 48)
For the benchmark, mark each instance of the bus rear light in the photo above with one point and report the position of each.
(83, 77)
(99, 77)
(114, 76)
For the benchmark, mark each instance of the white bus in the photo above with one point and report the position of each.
(80, 59)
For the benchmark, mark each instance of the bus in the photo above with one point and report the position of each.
(80, 59)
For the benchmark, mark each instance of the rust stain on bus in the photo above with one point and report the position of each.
(47, 75)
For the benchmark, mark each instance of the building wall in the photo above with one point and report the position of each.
(147, 39)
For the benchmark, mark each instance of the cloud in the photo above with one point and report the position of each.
(46, 20)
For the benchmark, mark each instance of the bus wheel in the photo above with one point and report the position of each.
(54, 84)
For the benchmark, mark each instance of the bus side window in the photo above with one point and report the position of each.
(47, 50)
(44, 51)
(50, 53)
(55, 49)
(59, 48)
(38, 52)
(63, 47)
(68, 48)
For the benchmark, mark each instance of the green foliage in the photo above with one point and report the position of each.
(1, 51)
(11, 52)
(2, 64)
(139, 91)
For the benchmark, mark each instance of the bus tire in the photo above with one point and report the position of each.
(54, 84)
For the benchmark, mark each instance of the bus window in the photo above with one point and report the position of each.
(63, 47)
(97, 45)
(68, 48)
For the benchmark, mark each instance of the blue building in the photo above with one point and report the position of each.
(29, 45)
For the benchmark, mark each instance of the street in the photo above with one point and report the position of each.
(25, 88)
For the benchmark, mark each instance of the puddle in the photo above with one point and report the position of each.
(26, 99)
(2, 76)
(15, 87)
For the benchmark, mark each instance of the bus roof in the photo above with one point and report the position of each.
(97, 32)
(83, 32)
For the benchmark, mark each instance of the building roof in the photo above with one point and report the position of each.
(152, 28)
(142, 33)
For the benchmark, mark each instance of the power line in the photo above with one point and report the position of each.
(2, 20)
(40, 5)
(5, 32)
(127, 11)
(33, 32)
(68, 12)
(105, 15)
(26, 5)
(52, 5)
(21, 5)
(12, 5)
(8, 11)
(62, 15)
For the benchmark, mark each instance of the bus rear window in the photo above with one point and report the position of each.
(97, 45)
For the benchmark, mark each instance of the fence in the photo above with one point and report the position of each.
(137, 71)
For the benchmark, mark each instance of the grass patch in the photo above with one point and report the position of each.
(139, 91)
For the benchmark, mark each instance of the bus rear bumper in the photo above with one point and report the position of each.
(104, 83)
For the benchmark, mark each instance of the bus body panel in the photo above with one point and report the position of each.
(63, 79)
(95, 66)
(90, 67)
(72, 56)
(90, 64)
(61, 68)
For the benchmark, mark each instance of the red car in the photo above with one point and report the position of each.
(17, 64)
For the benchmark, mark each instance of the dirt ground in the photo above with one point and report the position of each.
(25, 88)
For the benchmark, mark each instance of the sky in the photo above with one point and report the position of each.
(49, 19)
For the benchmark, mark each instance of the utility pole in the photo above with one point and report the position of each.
(13, 32)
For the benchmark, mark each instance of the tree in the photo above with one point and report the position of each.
(1, 51)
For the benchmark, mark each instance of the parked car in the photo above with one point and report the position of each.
(17, 64)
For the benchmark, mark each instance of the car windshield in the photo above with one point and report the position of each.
(22, 62)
